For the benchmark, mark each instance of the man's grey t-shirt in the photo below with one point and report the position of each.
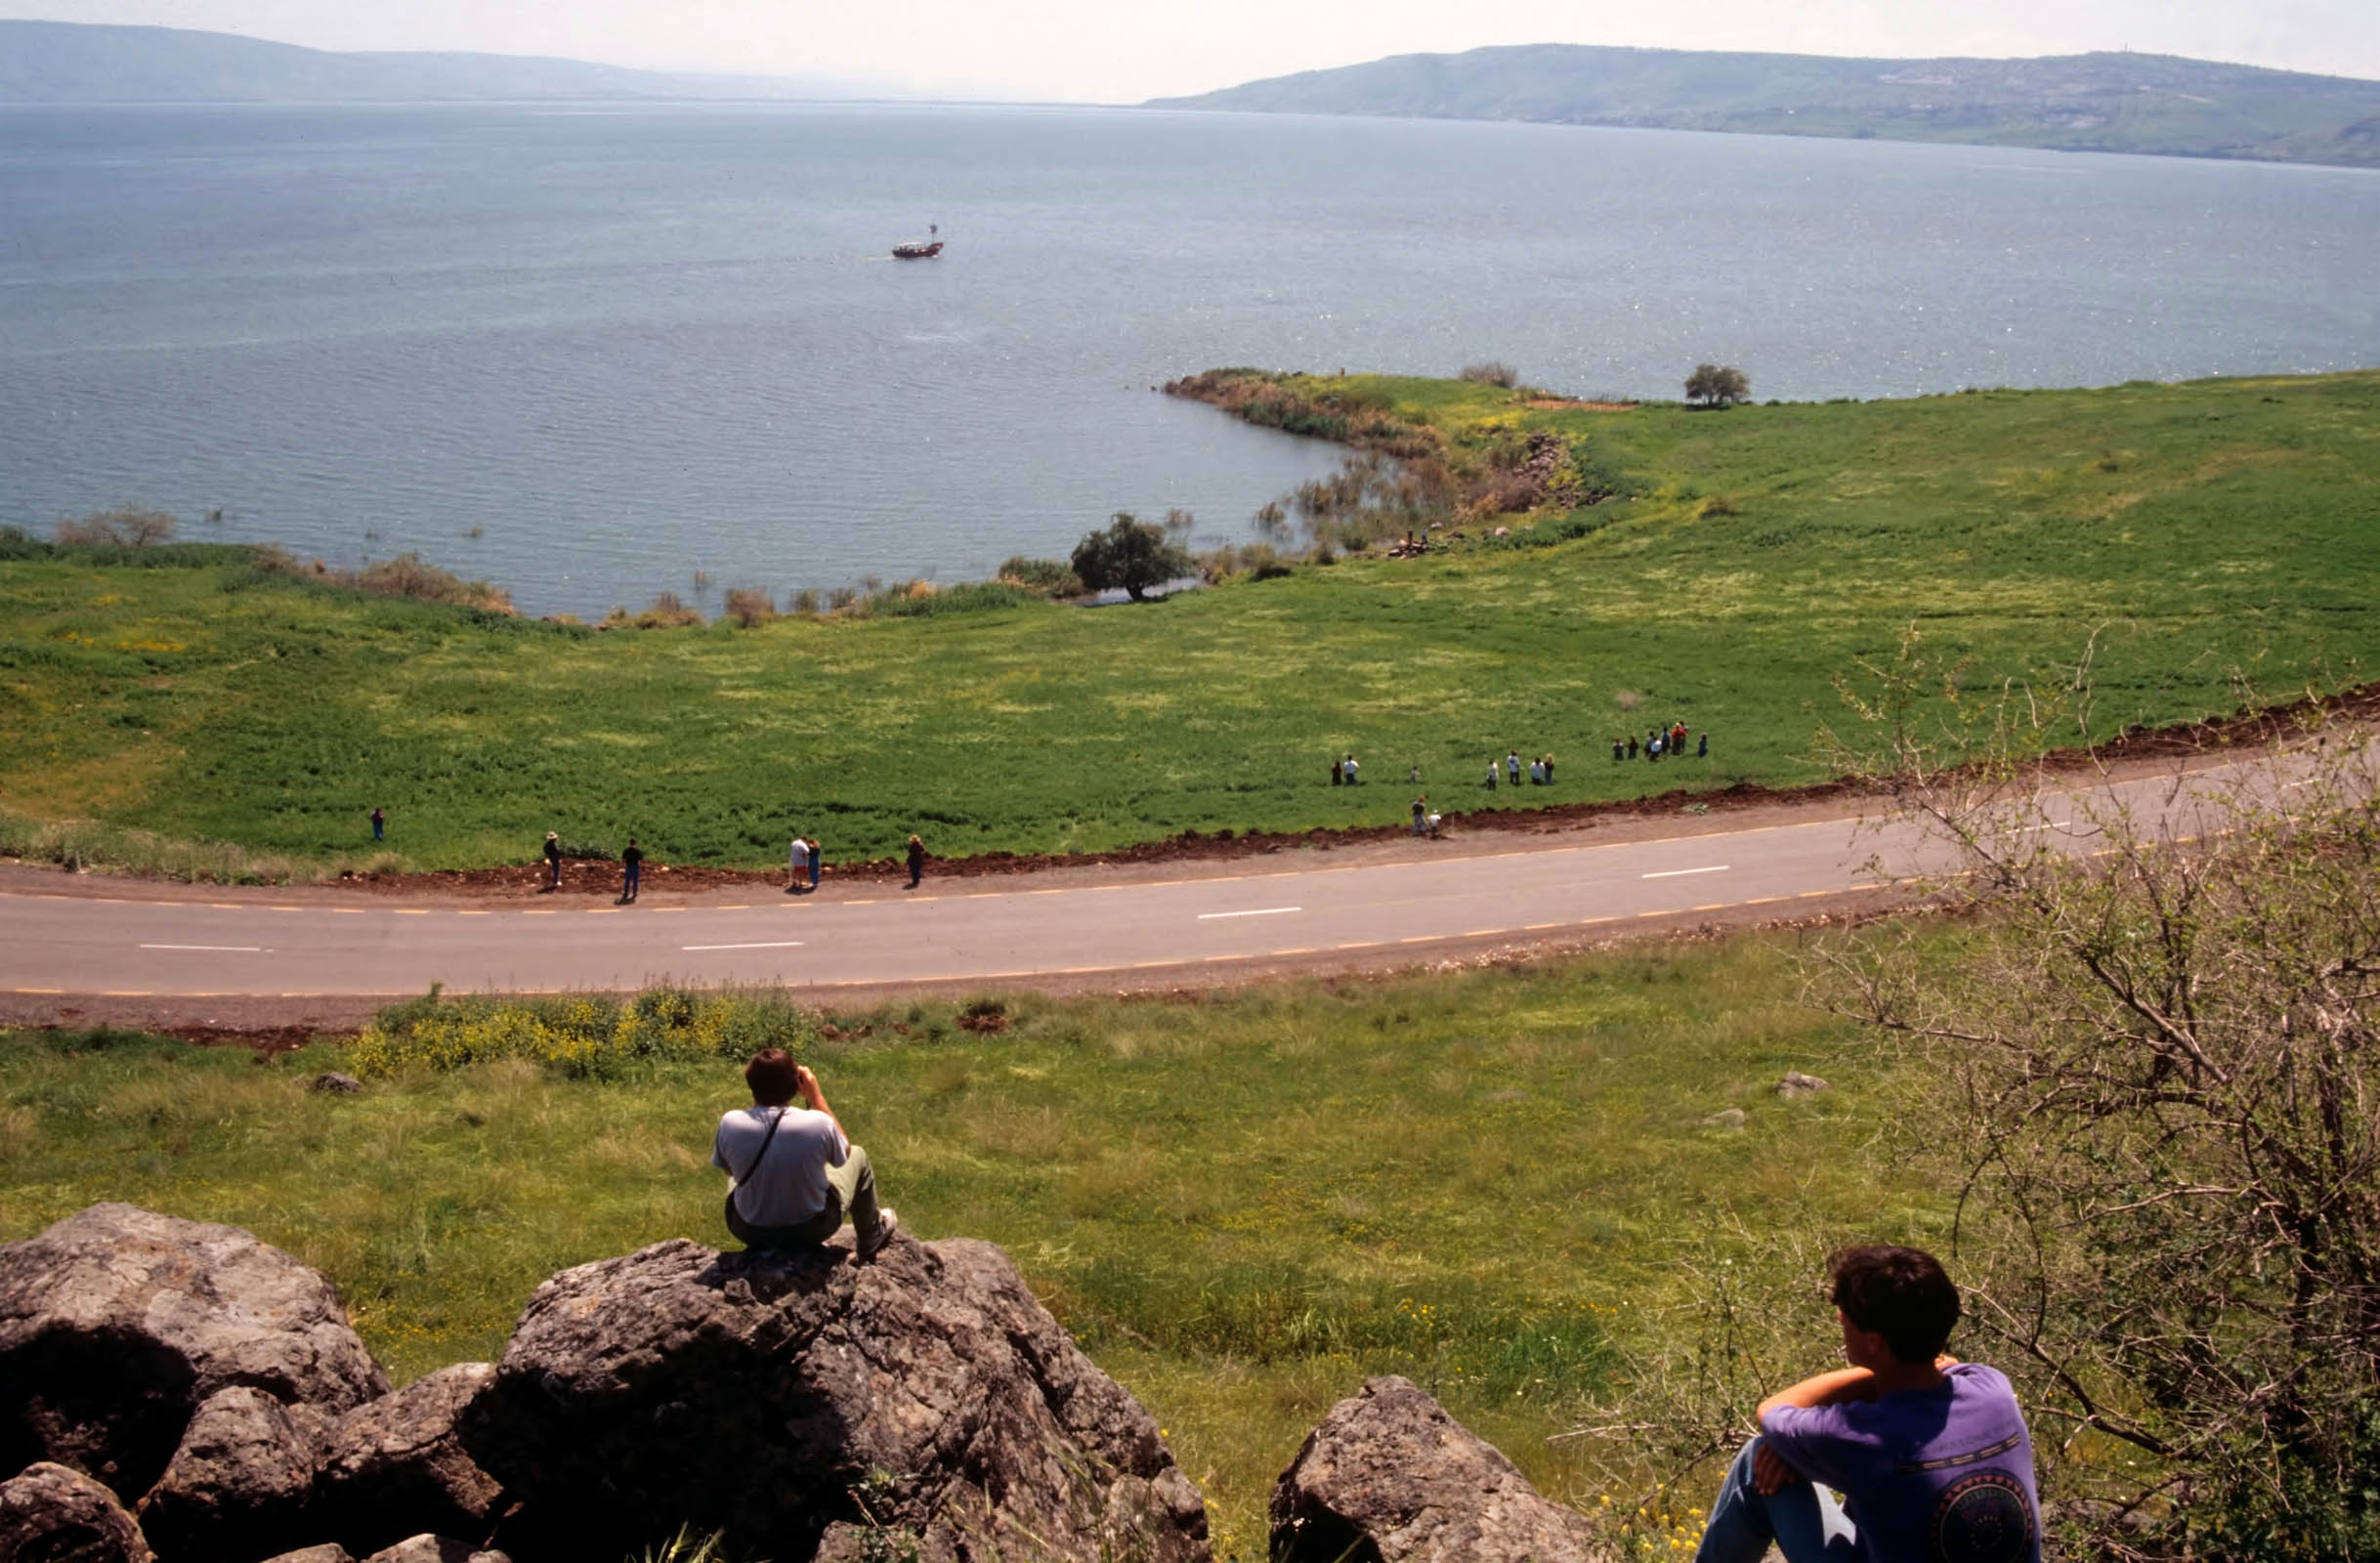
(789, 1185)
(1941, 1475)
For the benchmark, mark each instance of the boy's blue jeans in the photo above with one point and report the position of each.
(1802, 1519)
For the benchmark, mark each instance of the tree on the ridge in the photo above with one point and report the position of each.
(1132, 554)
(1715, 385)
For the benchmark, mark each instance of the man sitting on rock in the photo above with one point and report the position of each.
(793, 1176)
(1930, 1453)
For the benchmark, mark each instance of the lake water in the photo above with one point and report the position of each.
(586, 353)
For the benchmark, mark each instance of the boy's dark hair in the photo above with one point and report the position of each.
(1902, 1294)
(773, 1076)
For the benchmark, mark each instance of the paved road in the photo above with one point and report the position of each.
(265, 943)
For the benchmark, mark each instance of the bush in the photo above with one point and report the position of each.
(583, 1035)
(1043, 577)
(1492, 372)
(665, 612)
(748, 606)
(921, 600)
(1712, 385)
(130, 526)
(1132, 554)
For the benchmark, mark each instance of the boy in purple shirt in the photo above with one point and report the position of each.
(1930, 1453)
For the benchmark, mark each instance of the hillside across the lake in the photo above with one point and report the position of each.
(2105, 102)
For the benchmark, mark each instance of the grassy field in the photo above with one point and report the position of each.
(1242, 1204)
(2189, 533)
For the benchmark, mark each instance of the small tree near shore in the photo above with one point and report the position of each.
(1716, 385)
(1132, 554)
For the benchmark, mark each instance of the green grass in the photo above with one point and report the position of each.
(1241, 1205)
(2190, 533)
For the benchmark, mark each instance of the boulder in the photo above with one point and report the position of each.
(327, 1552)
(238, 1483)
(117, 1323)
(792, 1399)
(1726, 1117)
(1389, 1477)
(1795, 1083)
(395, 1464)
(428, 1548)
(52, 1514)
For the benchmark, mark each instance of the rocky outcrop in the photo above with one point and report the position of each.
(1389, 1477)
(239, 1484)
(395, 1465)
(117, 1324)
(806, 1404)
(52, 1514)
(428, 1548)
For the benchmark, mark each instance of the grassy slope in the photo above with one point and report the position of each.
(2123, 103)
(2197, 529)
(1242, 1204)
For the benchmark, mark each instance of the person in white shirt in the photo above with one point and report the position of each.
(798, 869)
(793, 1177)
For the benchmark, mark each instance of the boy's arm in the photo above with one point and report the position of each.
(1770, 1473)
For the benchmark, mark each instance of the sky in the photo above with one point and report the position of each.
(1124, 51)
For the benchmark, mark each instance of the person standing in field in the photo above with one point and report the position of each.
(1350, 770)
(793, 1176)
(1491, 777)
(379, 821)
(1511, 766)
(1702, 745)
(1421, 813)
(1339, 776)
(631, 861)
(797, 870)
(553, 860)
(916, 862)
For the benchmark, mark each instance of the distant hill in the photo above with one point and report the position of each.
(2115, 102)
(76, 63)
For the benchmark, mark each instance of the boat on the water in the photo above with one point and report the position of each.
(920, 249)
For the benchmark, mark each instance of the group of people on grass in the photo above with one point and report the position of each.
(1906, 1455)
(1658, 742)
(1540, 770)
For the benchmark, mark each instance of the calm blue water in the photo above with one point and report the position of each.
(588, 352)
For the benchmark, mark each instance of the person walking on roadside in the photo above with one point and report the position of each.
(1421, 813)
(818, 862)
(553, 860)
(379, 821)
(916, 862)
(797, 870)
(793, 1174)
(631, 859)
(1435, 820)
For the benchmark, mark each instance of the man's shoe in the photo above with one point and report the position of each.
(888, 1222)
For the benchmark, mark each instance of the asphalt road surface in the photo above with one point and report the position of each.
(269, 944)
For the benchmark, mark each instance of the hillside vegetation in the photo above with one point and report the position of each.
(2115, 102)
(1731, 566)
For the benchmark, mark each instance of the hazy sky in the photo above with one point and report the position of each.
(1122, 50)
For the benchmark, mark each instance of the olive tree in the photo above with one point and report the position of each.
(1714, 385)
(1132, 554)
(2158, 1099)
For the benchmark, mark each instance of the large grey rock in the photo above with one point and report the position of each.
(326, 1552)
(239, 1484)
(117, 1324)
(52, 1514)
(1389, 1477)
(799, 1397)
(1795, 1083)
(395, 1465)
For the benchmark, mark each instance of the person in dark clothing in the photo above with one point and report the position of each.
(379, 819)
(1702, 747)
(1632, 746)
(818, 862)
(1420, 815)
(1548, 770)
(553, 860)
(1337, 778)
(630, 861)
(916, 862)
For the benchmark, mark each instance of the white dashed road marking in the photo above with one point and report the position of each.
(1258, 911)
(1671, 873)
(773, 944)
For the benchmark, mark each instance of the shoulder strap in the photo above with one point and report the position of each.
(764, 1147)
